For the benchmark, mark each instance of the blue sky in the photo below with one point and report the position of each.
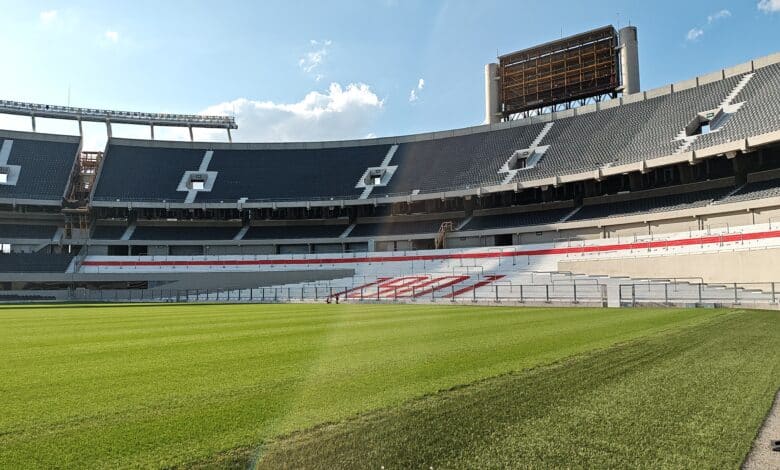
(336, 69)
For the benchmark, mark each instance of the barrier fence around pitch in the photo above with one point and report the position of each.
(629, 294)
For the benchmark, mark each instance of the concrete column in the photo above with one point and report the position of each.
(492, 111)
(629, 60)
(33, 122)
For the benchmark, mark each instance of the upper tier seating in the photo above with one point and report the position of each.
(253, 174)
(45, 165)
(144, 173)
(615, 135)
(290, 174)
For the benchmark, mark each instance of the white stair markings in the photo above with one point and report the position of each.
(541, 135)
(366, 192)
(383, 166)
(386, 162)
(241, 233)
(346, 232)
(740, 86)
(725, 109)
(510, 174)
(204, 166)
(570, 214)
(464, 223)
(128, 233)
(5, 151)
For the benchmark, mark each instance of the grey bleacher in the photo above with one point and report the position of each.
(655, 136)
(398, 228)
(294, 231)
(17, 231)
(45, 167)
(758, 190)
(524, 219)
(759, 114)
(184, 233)
(615, 135)
(133, 173)
(108, 232)
(650, 204)
(456, 162)
(290, 174)
(34, 262)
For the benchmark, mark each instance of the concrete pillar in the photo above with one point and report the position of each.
(108, 129)
(230, 137)
(492, 111)
(629, 60)
(191, 137)
(33, 122)
(635, 181)
(740, 169)
(151, 129)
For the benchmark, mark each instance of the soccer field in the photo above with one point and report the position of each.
(403, 385)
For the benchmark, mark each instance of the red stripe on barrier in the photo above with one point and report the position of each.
(488, 280)
(708, 240)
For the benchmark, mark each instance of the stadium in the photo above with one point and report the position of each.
(588, 279)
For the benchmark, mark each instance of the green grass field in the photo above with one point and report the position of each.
(443, 386)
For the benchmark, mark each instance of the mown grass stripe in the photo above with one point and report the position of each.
(162, 385)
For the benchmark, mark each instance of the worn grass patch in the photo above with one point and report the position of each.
(692, 398)
(166, 385)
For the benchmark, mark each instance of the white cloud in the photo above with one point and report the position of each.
(694, 34)
(340, 113)
(414, 95)
(112, 36)
(769, 6)
(313, 59)
(720, 15)
(48, 17)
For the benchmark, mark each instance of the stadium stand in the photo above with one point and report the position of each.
(618, 134)
(108, 232)
(144, 173)
(757, 190)
(650, 205)
(34, 262)
(541, 217)
(398, 228)
(184, 233)
(268, 232)
(41, 232)
(290, 174)
(456, 162)
(42, 163)
(253, 175)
